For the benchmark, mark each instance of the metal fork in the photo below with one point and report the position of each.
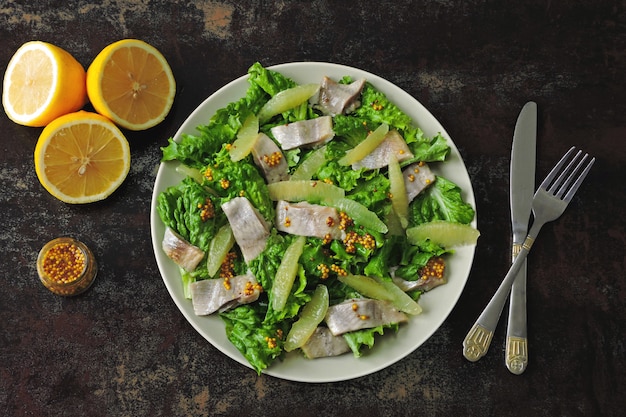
(549, 202)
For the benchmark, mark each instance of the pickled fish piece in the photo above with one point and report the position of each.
(361, 313)
(305, 219)
(250, 229)
(417, 177)
(335, 98)
(323, 343)
(211, 295)
(268, 156)
(312, 132)
(183, 253)
(393, 144)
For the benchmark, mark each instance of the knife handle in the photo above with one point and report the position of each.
(516, 357)
(515, 250)
(516, 354)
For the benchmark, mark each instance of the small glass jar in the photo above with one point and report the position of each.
(66, 266)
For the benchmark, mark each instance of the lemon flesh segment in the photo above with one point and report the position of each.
(286, 274)
(220, 245)
(379, 289)
(131, 83)
(247, 137)
(366, 147)
(41, 83)
(81, 158)
(312, 315)
(286, 100)
(310, 165)
(399, 197)
(444, 233)
(361, 215)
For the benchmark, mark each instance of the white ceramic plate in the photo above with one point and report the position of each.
(388, 349)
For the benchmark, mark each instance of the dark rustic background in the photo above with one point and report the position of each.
(124, 349)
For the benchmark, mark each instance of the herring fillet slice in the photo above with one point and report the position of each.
(304, 133)
(306, 219)
(250, 229)
(323, 343)
(211, 295)
(268, 156)
(183, 253)
(361, 313)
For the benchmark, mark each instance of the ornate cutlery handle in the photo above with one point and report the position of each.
(477, 341)
(516, 356)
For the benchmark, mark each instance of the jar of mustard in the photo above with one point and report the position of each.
(66, 266)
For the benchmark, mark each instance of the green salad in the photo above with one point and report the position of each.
(298, 279)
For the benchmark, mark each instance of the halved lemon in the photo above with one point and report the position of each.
(131, 83)
(41, 83)
(81, 157)
(444, 233)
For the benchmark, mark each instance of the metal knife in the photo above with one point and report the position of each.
(522, 188)
(478, 339)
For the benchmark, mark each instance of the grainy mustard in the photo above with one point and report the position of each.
(66, 266)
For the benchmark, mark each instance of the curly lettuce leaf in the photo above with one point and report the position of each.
(258, 341)
(373, 192)
(178, 209)
(272, 82)
(427, 150)
(387, 256)
(352, 129)
(197, 150)
(231, 179)
(357, 340)
(415, 257)
(376, 107)
(440, 201)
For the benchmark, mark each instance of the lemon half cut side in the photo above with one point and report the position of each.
(82, 157)
(131, 83)
(41, 83)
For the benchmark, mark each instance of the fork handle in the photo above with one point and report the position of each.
(478, 339)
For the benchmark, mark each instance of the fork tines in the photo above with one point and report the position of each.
(574, 172)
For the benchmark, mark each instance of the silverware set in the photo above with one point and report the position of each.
(548, 204)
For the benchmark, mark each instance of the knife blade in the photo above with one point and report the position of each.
(522, 188)
(478, 339)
